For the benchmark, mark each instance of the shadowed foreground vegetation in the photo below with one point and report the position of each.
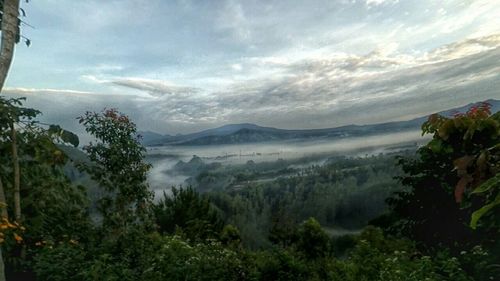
(440, 220)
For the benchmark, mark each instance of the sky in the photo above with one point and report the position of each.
(182, 66)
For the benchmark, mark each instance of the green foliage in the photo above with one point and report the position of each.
(60, 262)
(194, 243)
(373, 257)
(313, 241)
(491, 185)
(280, 265)
(52, 207)
(284, 230)
(155, 257)
(11, 111)
(188, 211)
(230, 236)
(345, 192)
(341, 244)
(175, 259)
(376, 257)
(472, 140)
(118, 166)
(438, 207)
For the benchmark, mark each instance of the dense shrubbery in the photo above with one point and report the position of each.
(374, 257)
(187, 236)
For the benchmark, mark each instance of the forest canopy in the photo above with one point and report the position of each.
(441, 220)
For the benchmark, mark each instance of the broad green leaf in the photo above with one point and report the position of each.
(489, 184)
(479, 213)
(435, 145)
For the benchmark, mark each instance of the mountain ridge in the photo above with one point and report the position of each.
(252, 133)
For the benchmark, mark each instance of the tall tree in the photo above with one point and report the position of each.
(4, 215)
(17, 173)
(118, 166)
(188, 211)
(51, 205)
(10, 36)
(11, 113)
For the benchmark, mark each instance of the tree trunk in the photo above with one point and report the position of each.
(17, 175)
(5, 215)
(3, 202)
(2, 267)
(10, 29)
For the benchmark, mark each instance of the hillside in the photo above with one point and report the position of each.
(251, 133)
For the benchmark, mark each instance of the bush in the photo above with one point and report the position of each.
(175, 259)
(279, 264)
(313, 242)
(376, 257)
(57, 263)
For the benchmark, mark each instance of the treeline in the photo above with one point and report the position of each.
(343, 193)
(442, 225)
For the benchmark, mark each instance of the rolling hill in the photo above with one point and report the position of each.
(251, 133)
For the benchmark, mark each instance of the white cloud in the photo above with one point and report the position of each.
(231, 18)
(33, 91)
(236, 66)
(317, 92)
(380, 2)
(288, 64)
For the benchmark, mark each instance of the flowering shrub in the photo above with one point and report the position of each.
(10, 232)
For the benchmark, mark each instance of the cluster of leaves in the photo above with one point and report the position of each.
(11, 111)
(117, 165)
(453, 182)
(472, 141)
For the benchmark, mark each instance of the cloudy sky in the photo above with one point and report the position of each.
(181, 66)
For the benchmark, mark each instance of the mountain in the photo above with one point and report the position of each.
(150, 137)
(251, 133)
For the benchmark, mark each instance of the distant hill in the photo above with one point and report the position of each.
(149, 137)
(251, 133)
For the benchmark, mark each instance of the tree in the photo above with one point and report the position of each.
(462, 156)
(10, 33)
(117, 164)
(284, 229)
(473, 139)
(50, 203)
(12, 114)
(188, 211)
(313, 240)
